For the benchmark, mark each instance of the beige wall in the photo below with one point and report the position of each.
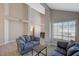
(25, 28)
(17, 27)
(15, 30)
(58, 15)
(42, 22)
(47, 24)
(35, 20)
(15, 12)
(1, 23)
(18, 10)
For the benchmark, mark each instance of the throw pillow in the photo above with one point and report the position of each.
(70, 44)
(32, 37)
(22, 38)
(72, 50)
(27, 38)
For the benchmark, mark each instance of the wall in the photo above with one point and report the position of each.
(15, 19)
(18, 10)
(47, 24)
(42, 22)
(17, 28)
(1, 23)
(34, 20)
(11, 25)
(63, 15)
(38, 7)
(60, 16)
(52, 16)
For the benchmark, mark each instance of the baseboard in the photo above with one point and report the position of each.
(7, 42)
(53, 44)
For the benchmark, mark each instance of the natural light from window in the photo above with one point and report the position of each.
(64, 30)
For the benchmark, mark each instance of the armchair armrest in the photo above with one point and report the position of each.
(20, 44)
(62, 44)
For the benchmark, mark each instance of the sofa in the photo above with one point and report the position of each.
(25, 43)
(65, 48)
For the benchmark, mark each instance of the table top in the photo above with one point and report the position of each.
(39, 48)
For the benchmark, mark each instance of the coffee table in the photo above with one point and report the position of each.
(38, 49)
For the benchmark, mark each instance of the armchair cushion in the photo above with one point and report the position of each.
(35, 43)
(28, 46)
(36, 39)
(62, 51)
(76, 54)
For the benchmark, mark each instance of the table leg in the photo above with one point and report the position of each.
(38, 54)
(32, 52)
(46, 50)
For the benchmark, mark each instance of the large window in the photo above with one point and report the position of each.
(64, 30)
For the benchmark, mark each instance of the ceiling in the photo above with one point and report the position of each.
(40, 9)
(64, 6)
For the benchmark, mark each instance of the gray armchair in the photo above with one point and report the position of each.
(25, 43)
(64, 48)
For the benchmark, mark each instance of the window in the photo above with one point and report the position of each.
(64, 30)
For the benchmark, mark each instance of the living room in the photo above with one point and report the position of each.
(39, 29)
(18, 19)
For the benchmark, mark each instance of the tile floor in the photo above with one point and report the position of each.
(11, 50)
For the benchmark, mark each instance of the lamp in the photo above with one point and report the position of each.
(32, 30)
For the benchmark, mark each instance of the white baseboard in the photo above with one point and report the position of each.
(53, 44)
(7, 42)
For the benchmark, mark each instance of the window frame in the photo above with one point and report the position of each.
(62, 35)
